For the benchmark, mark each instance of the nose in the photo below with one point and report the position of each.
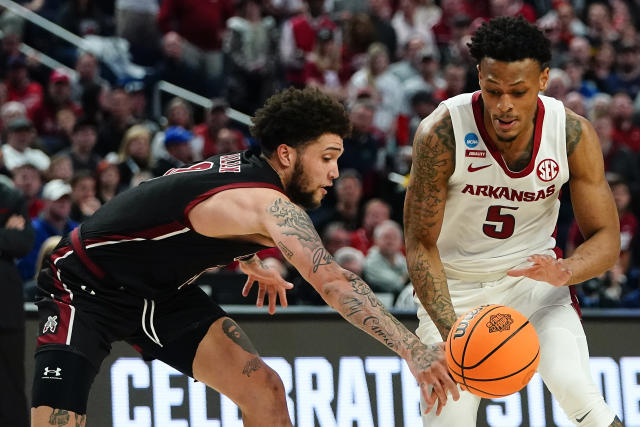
(504, 103)
(334, 172)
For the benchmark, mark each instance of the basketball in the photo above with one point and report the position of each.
(492, 351)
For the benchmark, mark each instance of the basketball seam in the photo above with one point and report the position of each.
(506, 376)
(464, 350)
(497, 347)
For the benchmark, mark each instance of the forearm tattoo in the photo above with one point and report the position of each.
(321, 257)
(81, 420)
(285, 250)
(237, 335)
(59, 417)
(574, 133)
(251, 366)
(433, 160)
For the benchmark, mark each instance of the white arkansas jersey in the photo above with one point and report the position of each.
(494, 218)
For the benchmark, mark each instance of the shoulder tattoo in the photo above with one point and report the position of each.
(573, 132)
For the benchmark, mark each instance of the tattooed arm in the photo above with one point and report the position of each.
(433, 164)
(292, 231)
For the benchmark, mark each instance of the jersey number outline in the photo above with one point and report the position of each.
(495, 215)
(202, 166)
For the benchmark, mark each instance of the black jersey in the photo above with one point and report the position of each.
(142, 240)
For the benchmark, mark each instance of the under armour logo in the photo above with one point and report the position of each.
(48, 371)
(51, 325)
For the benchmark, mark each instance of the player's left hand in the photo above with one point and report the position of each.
(545, 268)
(269, 281)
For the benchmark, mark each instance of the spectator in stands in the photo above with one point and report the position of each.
(120, 118)
(215, 120)
(422, 103)
(298, 38)
(323, 68)
(84, 17)
(177, 142)
(579, 51)
(19, 87)
(251, 46)
(618, 158)
(624, 129)
(27, 179)
(359, 32)
(380, 86)
(335, 236)
(385, 266)
(599, 27)
(559, 84)
(200, 27)
(45, 117)
(135, 21)
(17, 150)
(60, 167)
(601, 72)
(412, 19)
(576, 72)
(455, 77)
(576, 103)
(347, 208)
(9, 111)
(107, 181)
(83, 143)
(412, 54)
(376, 211)
(228, 142)
(362, 147)
(53, 221)
(627, 77)
(134, 153)
(87, 73)
(137, 92)
(381, 12)
(178, 113)
(350, 259)
(83, 196)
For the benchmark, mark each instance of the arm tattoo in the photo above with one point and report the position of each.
(433, 160)
(321, 257)
(237, 335)
(574, 133)
(295, 222)
(81, 420)
(59, 417)
(285, 250)
(251, 366)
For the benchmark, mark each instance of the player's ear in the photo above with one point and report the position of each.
(544, 80)
(479, 75)
(286, 155)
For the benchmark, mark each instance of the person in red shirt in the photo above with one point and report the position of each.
(215, 121)
(200, 26)
(376, 211)
(20, 88)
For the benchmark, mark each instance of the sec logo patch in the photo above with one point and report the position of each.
(547, 170)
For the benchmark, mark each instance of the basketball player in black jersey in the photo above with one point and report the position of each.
(126, 273)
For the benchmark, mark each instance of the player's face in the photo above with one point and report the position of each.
(510, 95)
(315, 169)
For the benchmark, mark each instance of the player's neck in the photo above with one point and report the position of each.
(275, 168)
(518, 151)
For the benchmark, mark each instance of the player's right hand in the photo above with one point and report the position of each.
(269, 282)
(429, 366)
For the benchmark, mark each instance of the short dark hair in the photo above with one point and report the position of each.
(510, 39)
(297, 116)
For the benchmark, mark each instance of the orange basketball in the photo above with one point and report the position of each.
(493, 351)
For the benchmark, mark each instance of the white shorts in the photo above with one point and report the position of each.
(564, 356)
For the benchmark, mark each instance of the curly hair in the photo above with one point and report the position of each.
(510, 39)
(297, 116)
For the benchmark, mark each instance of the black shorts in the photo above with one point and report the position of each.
(75, 317)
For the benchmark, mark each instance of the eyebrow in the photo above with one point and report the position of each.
(332, 148)
(490, 80)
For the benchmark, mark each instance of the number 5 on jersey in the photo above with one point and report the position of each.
(507, 222)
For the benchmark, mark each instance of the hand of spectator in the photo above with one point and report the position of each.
(269, 281)
(89, 206)
(545, 268)
(15, 222)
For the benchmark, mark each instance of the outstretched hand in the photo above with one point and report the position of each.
(269, 281)
(429, 366)
(545, 268)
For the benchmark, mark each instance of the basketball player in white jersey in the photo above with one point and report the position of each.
(481, 210)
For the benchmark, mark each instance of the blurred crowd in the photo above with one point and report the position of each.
(73, 140)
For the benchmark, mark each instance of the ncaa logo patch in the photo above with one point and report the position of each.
(471, 140)
(547, 170)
